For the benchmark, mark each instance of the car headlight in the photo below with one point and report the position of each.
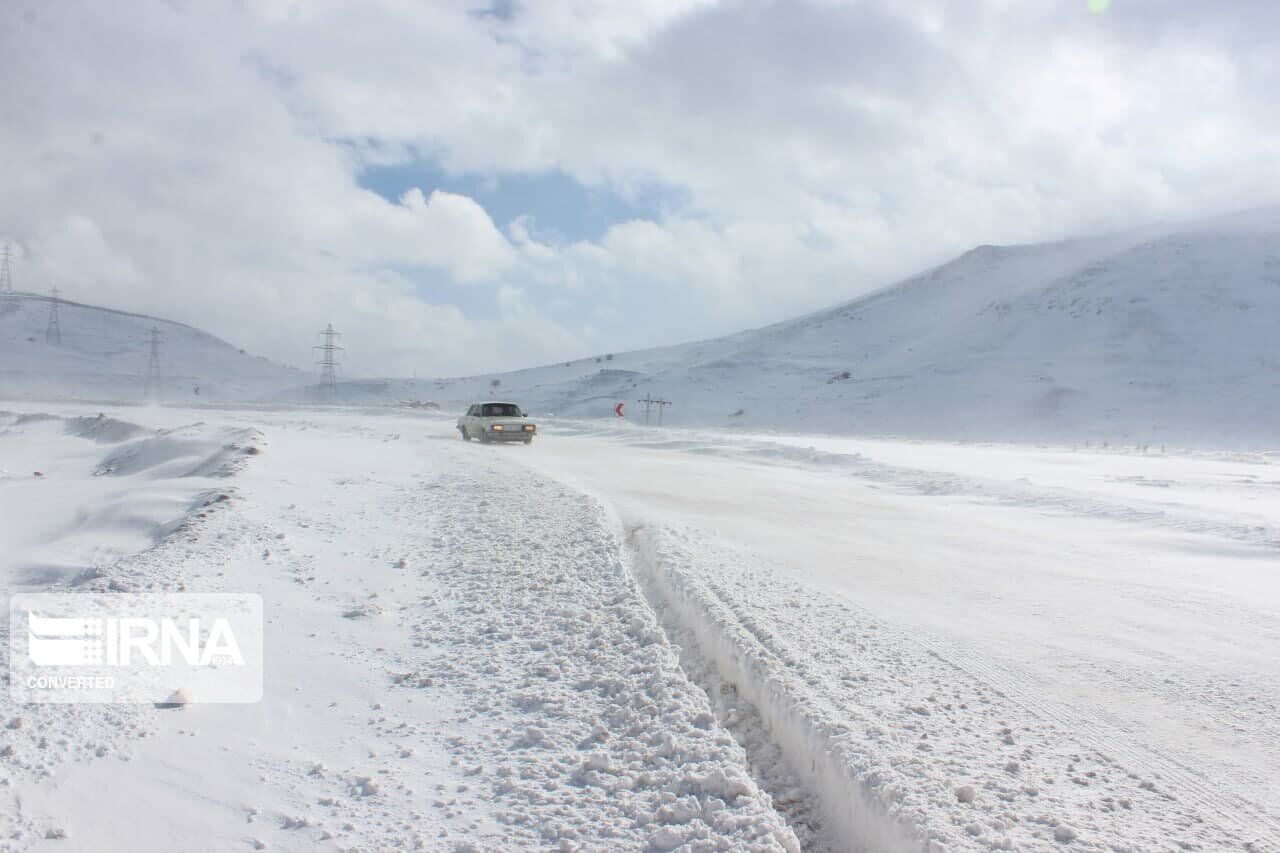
(528, 427)
(497, 427)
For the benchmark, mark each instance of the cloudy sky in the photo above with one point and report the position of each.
(473, 185)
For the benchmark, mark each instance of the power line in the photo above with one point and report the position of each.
(650, 401)
(152, 389)
(53, 332)
(329, 357)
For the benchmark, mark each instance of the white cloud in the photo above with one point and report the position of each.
(200, 160)
(444, 230)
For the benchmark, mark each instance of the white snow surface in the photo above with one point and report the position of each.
(628, 638)
(996, 641)
(457, 657)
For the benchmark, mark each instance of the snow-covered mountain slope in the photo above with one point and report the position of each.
(1148, 336)
(1158, 335)
(105, 354)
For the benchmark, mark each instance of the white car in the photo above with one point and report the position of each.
(496, 422)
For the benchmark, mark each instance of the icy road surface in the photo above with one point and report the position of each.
(631, 639)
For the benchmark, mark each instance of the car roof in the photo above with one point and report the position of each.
(496, 403)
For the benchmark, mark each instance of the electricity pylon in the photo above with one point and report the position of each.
(53, 332)
(329, 355)
(152, 390)
(6, 276)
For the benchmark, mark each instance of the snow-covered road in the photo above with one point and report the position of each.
(975, 646)
(456, 655)
(1117, 613)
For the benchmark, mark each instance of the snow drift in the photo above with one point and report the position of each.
(91, 489)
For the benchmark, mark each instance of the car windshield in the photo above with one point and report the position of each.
(500, 410)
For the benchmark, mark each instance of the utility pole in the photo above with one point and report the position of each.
(329, 355)
(6, 276)
(53, 332)
(650, 401)
(152, 388)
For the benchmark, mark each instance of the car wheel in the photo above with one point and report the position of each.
(463, 432)
(528, 441)
(484, 437)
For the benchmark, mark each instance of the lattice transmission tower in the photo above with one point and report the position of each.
(6, 275)
(329, 355)
(53, 331)
(152, 389)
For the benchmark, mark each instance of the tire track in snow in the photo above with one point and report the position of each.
(591, 736)
(854, 815)
(1177, 781)
(921, 481)
(1124, 793)
(1090, 725)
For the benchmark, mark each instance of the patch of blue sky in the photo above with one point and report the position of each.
(436, 287)
(502, 10)
(560, 209)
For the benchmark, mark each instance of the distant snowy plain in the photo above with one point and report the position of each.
(629, 638)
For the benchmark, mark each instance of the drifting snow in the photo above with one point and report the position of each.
(90, 489)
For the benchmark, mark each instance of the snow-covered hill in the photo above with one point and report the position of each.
(1158, 335)
(105, 355)
(1161, 334)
